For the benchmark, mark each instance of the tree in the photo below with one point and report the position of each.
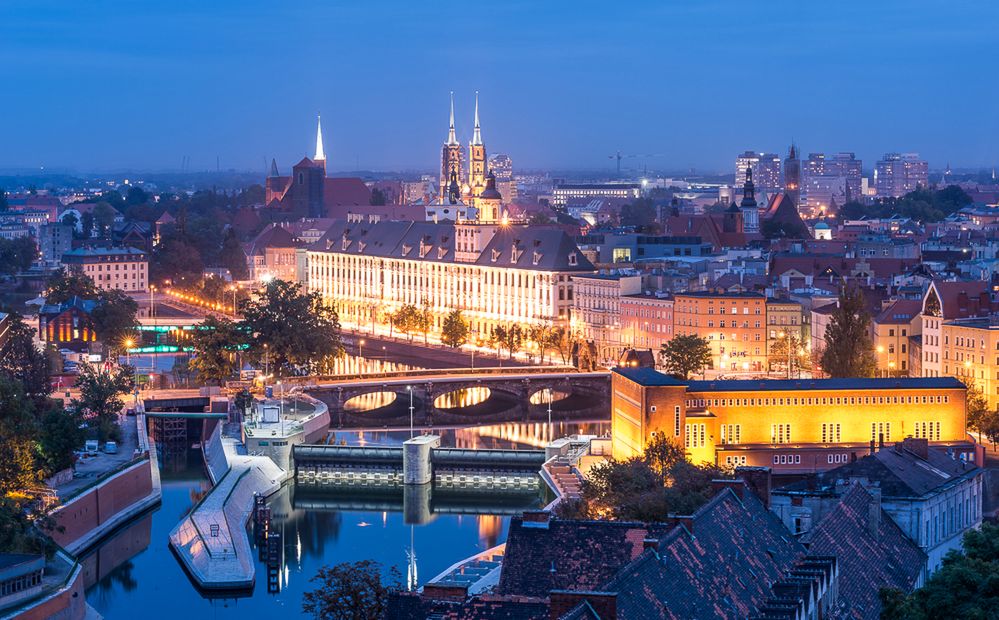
(563, 340)
(66, 284)
(104, 215)
(649, 487)
(963, 587)
(233, 257)
(510, 337)
(425, 319)
(100, 397)
(60, 436)
(541, 334)
(849, 350)
(301, 332)
(136, 196)
(454, 331)
(114, 319)
(16, 255)
(641, 214)
(977, 406)
(21, 361)
(778, 355)
(243, 401)
(18, 430)
(87, 225)
(406, 319)
(215, 342)
(350, 591)
(685, 355)
(377, 197)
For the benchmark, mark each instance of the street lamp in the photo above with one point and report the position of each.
(410, 388)
(550, 436)
(129, 343)
(360, 356)
(266, 359)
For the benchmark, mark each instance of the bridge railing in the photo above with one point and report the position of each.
(314, 380)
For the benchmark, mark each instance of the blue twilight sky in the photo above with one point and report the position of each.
(101, 85)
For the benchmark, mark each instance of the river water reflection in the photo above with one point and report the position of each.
(134, 573)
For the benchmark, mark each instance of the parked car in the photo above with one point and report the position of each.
(110, 447)
(90, 447)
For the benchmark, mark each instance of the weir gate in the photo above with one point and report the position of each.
(419, 461)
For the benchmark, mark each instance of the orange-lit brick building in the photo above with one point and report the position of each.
(793, 426)
(733, 323)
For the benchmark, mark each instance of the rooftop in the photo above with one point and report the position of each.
(653, 378)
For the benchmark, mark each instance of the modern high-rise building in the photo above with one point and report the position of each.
(766, 170)
(502, 167)
(897, 174)
(830, 181)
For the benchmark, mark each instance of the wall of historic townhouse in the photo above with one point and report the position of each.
(363, 286)
(936, 522)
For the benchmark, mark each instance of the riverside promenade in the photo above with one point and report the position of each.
(211, 541)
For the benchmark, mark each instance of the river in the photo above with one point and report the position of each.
(133, 573)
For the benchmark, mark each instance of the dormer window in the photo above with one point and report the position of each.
(406, 249)
(345, 243)
(572, 259)
(537, 257)
(441, 252)
(496, 255)
(360, 246)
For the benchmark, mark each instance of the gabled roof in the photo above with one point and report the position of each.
(901, 311)
(569, 554)
(962, 299)
(869, 559)
(272, 236)
(899, 472)
(720, 566)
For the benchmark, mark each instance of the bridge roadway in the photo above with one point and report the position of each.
(444, 376)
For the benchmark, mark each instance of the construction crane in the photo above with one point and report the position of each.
(618, 156)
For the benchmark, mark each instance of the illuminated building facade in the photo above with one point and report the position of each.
(764, 168)
(792, 176)
(944, 302)
(733, 323)
(495, 274)
(578, 192)
(970, 352)
(597, 310)
(897, 174)
(891, 331)
(647, 321)
(123, 269)
(792, 426)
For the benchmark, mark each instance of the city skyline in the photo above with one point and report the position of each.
(143, 89)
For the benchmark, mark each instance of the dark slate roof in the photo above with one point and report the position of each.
(908, 383)
(899, 473)
(867, 563)
(436, 243)
(411, 606)
(569, 555)
(649, 377)
(85, 305)
(722, 567)
(272, 236)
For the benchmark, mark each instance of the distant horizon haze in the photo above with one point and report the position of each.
(106, 85)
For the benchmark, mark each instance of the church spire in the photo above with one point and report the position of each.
(452, 139)
(477, 133)
(320, 154)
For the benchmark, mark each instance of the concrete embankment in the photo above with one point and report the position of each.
(111, 500)
(211, 541)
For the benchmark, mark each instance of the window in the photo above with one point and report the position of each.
(731, 433)
(696, 436)
(676, 421)
(780, 433)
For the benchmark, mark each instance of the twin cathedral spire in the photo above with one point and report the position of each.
(453, 169)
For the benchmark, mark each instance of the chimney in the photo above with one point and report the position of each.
(536, 518)
(874, 511)
(917, 446)
(759, 480)
(737, 486)
(872, 447)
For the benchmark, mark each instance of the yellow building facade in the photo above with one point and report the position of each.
(792, 426)
(733, 323)
(970, 352)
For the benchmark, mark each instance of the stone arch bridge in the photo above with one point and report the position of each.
(511, 389)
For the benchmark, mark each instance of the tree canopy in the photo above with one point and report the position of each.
(100, 397)
(963, 587)
(16, 255)
(684, 355)
(454, 331)
(647, 488)
(350, 591)
(849, 350)
(297, 331)
(215, 341)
